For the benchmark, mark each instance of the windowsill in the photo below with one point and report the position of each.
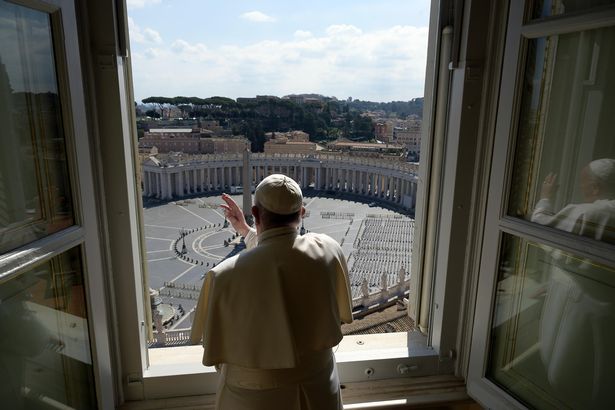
(395, 365)
(185, 360)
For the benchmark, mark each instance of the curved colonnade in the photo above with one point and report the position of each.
(392, 181)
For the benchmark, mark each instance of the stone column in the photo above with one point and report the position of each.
(303, 177)
(190, 181)
(164, 185)
(359, 182)
(148, 186)
(180, 183)
(158, 185)
(385, 186)
(337, 178)
(154, 187)
(145, 181)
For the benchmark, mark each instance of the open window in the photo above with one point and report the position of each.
(361, 357)
(546, 302)
(55, 350)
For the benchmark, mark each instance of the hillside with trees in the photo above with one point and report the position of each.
(322, 118)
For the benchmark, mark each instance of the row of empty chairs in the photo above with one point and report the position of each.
(383, 247)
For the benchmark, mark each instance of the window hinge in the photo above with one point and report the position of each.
(452, 355)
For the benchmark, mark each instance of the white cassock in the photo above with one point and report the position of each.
(577, 325)
(269, 318)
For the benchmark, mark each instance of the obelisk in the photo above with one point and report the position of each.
(246, 178)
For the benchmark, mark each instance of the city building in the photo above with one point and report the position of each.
(383, 131)
(514, 91)
(291, 142)
(293, 136)
(410, 138)
(281, 146)
(214, 145)
(169, 139)
(203, 140)
(365, 148)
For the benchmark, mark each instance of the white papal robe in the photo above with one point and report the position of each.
(269, 318)
(577, 331)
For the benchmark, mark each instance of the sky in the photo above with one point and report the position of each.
(365, 49)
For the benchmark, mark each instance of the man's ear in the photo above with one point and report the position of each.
(256, 214)
(302, 211)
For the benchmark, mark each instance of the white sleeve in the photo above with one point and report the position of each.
(543, 212)
(251, 239)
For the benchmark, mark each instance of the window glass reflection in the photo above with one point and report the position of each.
(564, 173)
(553, 333)
(35, 197)
(45, 359)
(547, 8)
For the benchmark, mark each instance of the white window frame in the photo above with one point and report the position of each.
(442, 351)
(369, 360)
(497, 221)
(84, 232)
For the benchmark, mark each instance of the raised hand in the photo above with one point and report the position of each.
(549, 186)
(234, 214)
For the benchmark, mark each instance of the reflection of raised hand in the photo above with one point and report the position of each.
(549, 186)
(235, 215)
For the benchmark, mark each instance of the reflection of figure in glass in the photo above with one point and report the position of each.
(595, 217)
(577, 332)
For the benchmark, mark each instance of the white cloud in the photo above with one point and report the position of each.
(143, 36)
(153, 53)
(343, 30)
(138, 4)
(152, 36)
(257, 17)
(379, 65)
(302, 34)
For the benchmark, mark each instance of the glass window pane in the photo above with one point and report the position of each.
(547, 8)
(552, 336)
(564, 171)
(35, 196)
(45, 359)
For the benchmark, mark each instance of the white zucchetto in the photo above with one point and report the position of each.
(279, 194)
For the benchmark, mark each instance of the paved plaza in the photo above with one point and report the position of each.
(199, 224)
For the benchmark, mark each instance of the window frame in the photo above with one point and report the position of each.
(445, 346)
(519, 31)
(354, 362)
(84, 231)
